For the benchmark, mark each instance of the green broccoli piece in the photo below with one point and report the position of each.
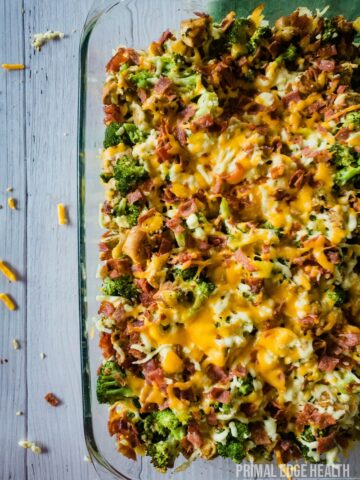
(162, 431)
(352, 119)
(112, 136)
(208, 102)
(307, 435)
(330, 31)
(105, 177)
(247, 385)
(255, 40)
(142, 79)
(234, 447)
(344, 160)
(121, 287)
(289, 55)
(109, 387)
(237, 33)
(339, 296)
(127, 133)
(128, 174)
(185, 273)
(163, 455)
(202, 291)
(130, 211)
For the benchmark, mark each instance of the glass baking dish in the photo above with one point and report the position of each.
(135, 23)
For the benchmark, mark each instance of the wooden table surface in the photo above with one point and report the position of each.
(38, 155)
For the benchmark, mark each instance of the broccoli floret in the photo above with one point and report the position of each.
(202, 291)
(238, 31)
(307, 435)
(128, 174)
(208, 103)
(289, 55)
(222, 407)
(339, 296)
(247, 385)
(112, 137)
(110, 388)
(260, 33)
(352, 120)
(162, 432)
(142, 79)
(344, 160)
(163, 454)
(185, 273)
(234, 447)
(329, 32)
(127, 133)
(105, 177)
(122, 287)
(130, 211)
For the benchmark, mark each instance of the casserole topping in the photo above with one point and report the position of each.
(230, 278)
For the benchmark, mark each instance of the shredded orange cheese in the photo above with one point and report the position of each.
(346, 110)
(13, 66)
(7, 301)
(62, 217)
(7, 272)
(12, 203)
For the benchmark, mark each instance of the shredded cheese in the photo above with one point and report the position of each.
(7, 272)
(62, 214)
(13, 66)
(8, 302)
(11, 203)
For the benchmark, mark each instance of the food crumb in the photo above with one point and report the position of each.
(8, 302)
(41, 38)
(31, 445)
(9, 189)
(13, 66)
(42, 355)
(87, 459)
(62, 214)
(19, 413)
(52, 399)
(12, 203)
(15, 344)
(5, 270)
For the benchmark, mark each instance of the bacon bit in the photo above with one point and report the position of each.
(154, 374)
(144, 216)
(165, 245)
(328, 51)
(228, 21)
(311, 414)
(13, 66)
(7, 272)
(258, 434)
(308, 322)
(11, 203)
(142, 95)
(193, 435)
(112, 113)
(287, 451)
(62, 214)
(167, 35)
(327, 364)
(341, 89)
(8, 302)
(348, 340)
(52, 399)
(293, 96)
(117, 267)
(326, 65)
(238, 371)
(343, 134)
(122, 56)
(255, 284)
(315, 107)
(135, 196)
(181, 135)
(187, 113)
(216, 241)
(218, 185)
(332, 255)
(106, 309)
(277, 172)
(163, 152)
(326, 443)
(175, 225)
(119, 314)
(217, 374)
(187, 208)
(240, 256)
(124, 429)
(203, 122)
(201, 14)
(297, 179)
(211, 417)
(162, 86)
(220, 395)
(106, 345)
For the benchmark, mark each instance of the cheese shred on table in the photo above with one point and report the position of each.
(229, 305)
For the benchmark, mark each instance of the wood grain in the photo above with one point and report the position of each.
(13, 388)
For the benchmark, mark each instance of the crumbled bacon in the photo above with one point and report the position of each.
(162, 86)
(297, 179)
(52, 399)
(175, 224)
(326, 443)
(112, 113)
(217, 374)
(220, 395)
(154, 374)
(106, 345)
(203, 122)
(167, 35)
(293, 96)
(327, 364)
(326, 65)
(187, 208)
(122, 56)
(106, 309)
(119, 314)
(310, 414)
(134, 196)
(258, 434)
(348, 340)
(240, 256)
(194, 436)
(288, 451)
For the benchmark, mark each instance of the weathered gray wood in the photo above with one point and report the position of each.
(13, 392)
